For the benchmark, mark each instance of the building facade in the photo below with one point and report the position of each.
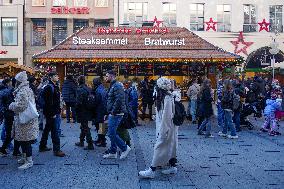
(225, 20)
(11, 31)
(48, 22)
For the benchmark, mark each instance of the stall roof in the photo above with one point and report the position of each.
(193, 47)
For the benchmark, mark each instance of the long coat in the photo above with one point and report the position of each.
(166, 134)
(30, 130)
(82, 111)
(205, 106)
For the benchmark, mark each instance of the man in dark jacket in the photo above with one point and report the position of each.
(69, 89)
(6, 98)
(147, 89)
(116, 108)
(84, 114)
(99, 113)
(51, 108)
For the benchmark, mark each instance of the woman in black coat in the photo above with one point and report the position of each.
(205, 109)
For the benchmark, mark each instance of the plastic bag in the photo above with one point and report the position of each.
(28, 114)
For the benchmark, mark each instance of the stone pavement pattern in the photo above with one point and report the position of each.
(255, 160)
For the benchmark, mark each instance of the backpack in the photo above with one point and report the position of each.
(40, 98)
(180, 114)
(236, 102)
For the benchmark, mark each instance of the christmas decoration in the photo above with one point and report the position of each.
(211, 24)
(241, 45)
(156, 22)
(264, 25)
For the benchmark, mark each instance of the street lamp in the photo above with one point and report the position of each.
(274, 50)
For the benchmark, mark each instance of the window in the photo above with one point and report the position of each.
(7, 2)
(135, 12)
(275, 18)
(250, 22)
(101, 3)
(223, 18)
(58, 3)
(80, 3)
(169, 14)
(38, 3)
(39, 32)
(59, 30)
(79, 23)
(9, 28)
(102, 23)
(197, 17)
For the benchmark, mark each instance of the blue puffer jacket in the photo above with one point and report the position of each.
(6, 98)
(271, 107)
(69, 89)
(100, 96)
(116, 99)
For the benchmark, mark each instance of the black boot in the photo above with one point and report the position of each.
(90, 146)
(101, 142)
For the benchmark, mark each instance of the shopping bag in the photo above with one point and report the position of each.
(28, 114)
(102, 129)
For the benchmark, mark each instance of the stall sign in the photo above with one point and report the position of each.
(3, 52)
(92, 70)
(68, 10)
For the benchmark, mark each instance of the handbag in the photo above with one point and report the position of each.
(28, 114)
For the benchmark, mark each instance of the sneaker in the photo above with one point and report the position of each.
(59, 153)
(264, 130)
(274, 133)
(171, 170)
(110, 156)
(148, 173)
(22, 160)
(3, 153)
(222, 134)
(209, 136)
(44, 149)
(125, 153)
(232, 137)
(17, 154)
(27, 164)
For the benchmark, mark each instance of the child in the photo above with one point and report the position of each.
(272, 105)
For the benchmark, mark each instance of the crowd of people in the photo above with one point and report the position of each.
(116, 107)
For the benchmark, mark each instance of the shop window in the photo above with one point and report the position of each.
(59, 3)
(169, 14)
(101, 3)
(275, 18)
(80, 3)
(59, 30)
(9, 28)
(39, 32)
(223, 18)
(197, 17)
(38, 3)
(102, 23)
(79, 23)
(135, 13)
(250, 21)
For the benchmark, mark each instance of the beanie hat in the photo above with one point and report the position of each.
(164, 83)
(22, 77)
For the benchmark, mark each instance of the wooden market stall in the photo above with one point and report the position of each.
(11, 69)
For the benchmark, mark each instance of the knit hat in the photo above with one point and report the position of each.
(164, 83)
(22, 77)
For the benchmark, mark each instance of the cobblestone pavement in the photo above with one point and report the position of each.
(255, 160)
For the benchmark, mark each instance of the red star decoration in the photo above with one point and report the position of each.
(264, 25)
(241, 45)
(157, 22)
(211, 24)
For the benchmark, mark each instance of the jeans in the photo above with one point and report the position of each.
(193, 109)
(135, 113)
(116, 141)
(58, 124)
(26, 148)
(220, 116)
(144, 106)
(228, 123)
(72, 107)
(41, 119)
(50, 127)
(236, 119)
(206, 121)
(8, 124)
(85, 132)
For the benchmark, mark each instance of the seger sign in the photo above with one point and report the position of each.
(72, 10)
(3, 52)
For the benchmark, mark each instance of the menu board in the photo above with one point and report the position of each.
(145, 69)
(128, 69)
(109, 66)
(92, 70)
(74, 69)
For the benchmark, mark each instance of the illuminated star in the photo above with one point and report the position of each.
(241, 45)
(157, 22)
(264, 25)
(211, 24)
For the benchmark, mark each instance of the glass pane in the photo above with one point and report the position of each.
(173, 7)
(80, 3)
(271, 9)
(59, 2)
(139, 19)
(9, 31)
(131, 17)
(220, 27)
(139, 6)
(131, 6)
(166, 7)
(59, 30)
(279, 8)
(79, 23)
(145, 10)
(39, 32)
(200, 14)
(138, 12)
(38, 2)
(193, 19)
(219, 8)
(253, 28)
(220, 18)
(200, 20)
(227, 18)
(193, 27)
(227, 8)
(227, 27)
(173, 19)
(246, 28)
(200, 7)
(193, 7)
(200, 27)
(125, 8)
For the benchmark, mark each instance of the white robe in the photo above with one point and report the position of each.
(166, 132)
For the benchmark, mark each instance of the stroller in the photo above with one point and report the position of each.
(249, 109)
